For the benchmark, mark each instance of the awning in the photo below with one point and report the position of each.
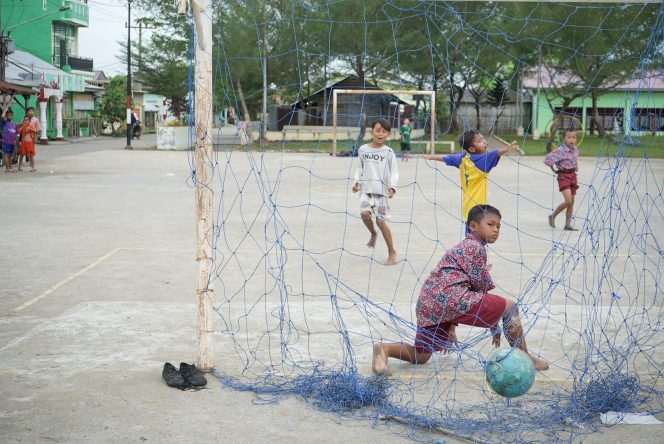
(7, 87)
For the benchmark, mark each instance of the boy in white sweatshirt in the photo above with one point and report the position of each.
(377, 178)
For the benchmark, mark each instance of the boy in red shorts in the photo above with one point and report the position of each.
(565, 160)
(28, 134)
(456, 292)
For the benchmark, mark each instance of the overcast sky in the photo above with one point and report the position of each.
(107, 27)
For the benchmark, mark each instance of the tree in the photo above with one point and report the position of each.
(113, 108)
(605, 53)
(163, 66)
(166, 73)
(464, 50)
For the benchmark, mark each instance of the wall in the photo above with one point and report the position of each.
(624, 100)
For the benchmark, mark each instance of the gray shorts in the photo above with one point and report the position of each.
(377, 204)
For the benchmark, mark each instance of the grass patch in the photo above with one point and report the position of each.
(592, 146)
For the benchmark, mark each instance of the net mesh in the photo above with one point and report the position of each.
(301, 300)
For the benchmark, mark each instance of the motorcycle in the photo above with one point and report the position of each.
(136, 130)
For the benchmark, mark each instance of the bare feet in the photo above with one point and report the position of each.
(20, 169)
(552, 222)
(379, 362)
(539, 363)
(372, 240)
(570, 228)
(392, 258)
(33, 170)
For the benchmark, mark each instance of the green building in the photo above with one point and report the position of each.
(48, 30)
(634, 106)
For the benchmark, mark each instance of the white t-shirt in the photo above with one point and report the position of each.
(378, 169)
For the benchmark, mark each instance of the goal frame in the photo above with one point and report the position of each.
(336, 92)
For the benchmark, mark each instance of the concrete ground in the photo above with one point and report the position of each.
(99, 291)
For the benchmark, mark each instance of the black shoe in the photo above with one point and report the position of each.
(172, 376)
(192, 375)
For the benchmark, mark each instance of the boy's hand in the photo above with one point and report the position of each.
(496, 337)
(512, 146)
(390, 192)
(356, 187)
(452, 340)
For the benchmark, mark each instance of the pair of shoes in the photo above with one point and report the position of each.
(552, 222)
(187, 377)
(570, 228)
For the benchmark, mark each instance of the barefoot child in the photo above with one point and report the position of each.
(474, 167)
(28, 134)
(10, 132)
(376, 179)
(565, 161)
(456, 292)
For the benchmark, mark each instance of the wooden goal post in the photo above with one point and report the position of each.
(336, 92)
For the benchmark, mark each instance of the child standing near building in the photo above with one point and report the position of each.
(28, 135)
(405, 131)
(563, 161)
(30, 112)
(9, 132)
(474, 166)
(456, 292)
(376, 179)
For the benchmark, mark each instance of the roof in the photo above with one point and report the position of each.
(10, 87)
(349, 82)
(650, 81)
(27, 69)
(100, 76)
(509, 97)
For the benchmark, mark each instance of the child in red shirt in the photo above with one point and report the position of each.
(28, 134)
(457, 292)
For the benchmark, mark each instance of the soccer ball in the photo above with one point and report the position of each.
(510, 372)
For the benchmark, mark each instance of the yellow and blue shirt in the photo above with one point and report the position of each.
(474, 172)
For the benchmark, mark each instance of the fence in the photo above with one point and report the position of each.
(85, 126)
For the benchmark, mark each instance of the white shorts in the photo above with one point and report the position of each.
(377, 204)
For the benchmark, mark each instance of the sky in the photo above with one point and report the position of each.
(101, 39)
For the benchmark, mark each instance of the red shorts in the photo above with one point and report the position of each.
(27, 148)
(568, 180)
(485, 314)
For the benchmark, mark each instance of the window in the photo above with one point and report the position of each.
(64, 43)
(571, 118)
(648, 119)
(610, 118)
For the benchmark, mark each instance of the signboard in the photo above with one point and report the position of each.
(65, 82)
(84, 102)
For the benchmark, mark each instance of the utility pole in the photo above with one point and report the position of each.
(264, 120)
(2, 50)
(129, 129)
(140, 28)
(536, 131)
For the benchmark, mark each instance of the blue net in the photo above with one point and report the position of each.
(300, 298)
